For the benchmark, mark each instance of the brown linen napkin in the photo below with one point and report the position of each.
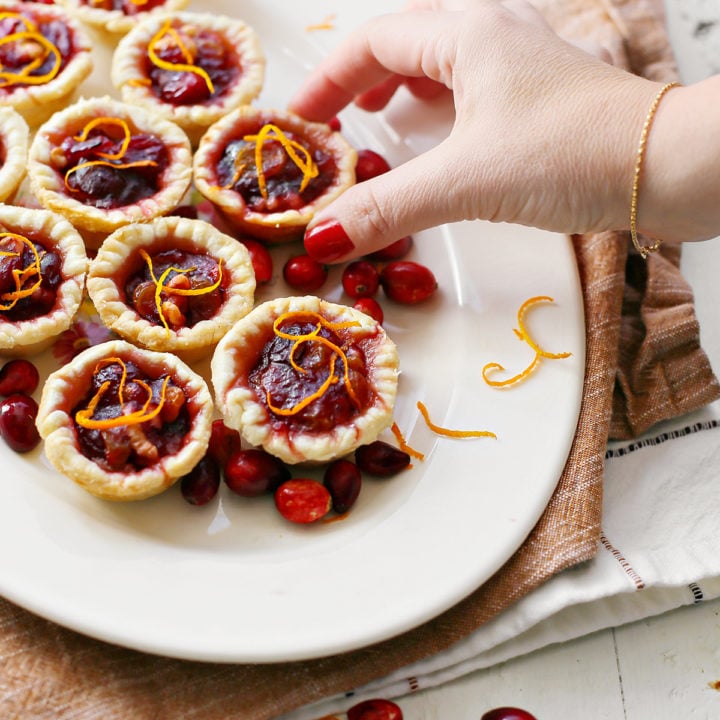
(49, 672)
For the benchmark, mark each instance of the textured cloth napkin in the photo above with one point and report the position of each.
(644, 365)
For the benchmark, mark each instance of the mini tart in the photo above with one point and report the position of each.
(306, 413)
(118, 17)
(40, 301)
(45, 32)
(14, 143)
(78, 166)
(104, 443)
(305, 166)
(190, 68)
(174, 284)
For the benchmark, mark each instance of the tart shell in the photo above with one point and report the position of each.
(66, 387)
(14, 144)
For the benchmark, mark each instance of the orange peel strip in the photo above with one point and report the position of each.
(29, 24)
(116, 166)
(325, 24)
(19, 276)
(451, 433)
(331, 379)
(402, 444)
(188, 66)
(523, 334)
(127, 135)
(24, 77)
(307, 165)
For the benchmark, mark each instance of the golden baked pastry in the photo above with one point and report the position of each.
(118, 17)
(103, 164)
(174, 284)
(44, 57)
(42, 278)
(268, 172)
(14, 144)
(306, 379)
(125, 423)
(191, 68)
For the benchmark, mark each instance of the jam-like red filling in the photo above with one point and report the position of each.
(127, 7)
(210, 52)
(179, 310)
(18, 258)
(111, 183)
(129, 448)
(287, 387)
(283, 177)
(19, 54)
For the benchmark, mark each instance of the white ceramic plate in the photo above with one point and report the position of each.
(233, 581)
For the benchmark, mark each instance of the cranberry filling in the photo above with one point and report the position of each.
(189, 88)
(127, 7)
(287, 387)
(109, 185)
(43, 298)
(178, 310)
(129, 448)
(282, 176)
(15, 56)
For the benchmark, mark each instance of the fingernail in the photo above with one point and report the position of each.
(327, 242)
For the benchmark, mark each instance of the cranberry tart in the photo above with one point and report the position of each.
(268, 172)
(103, 164)
(190, 68)
(44, 57)
(306, 379)
(174, 284)
(123, 422)
(42, 278)
(14, 143)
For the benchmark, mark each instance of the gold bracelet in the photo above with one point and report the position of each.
(644, 250)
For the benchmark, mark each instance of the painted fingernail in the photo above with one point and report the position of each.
(327, 242)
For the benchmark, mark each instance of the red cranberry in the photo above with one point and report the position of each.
(254, 472)
(305, 274)
(407, 282)
(344, 481)
(261, 260)
(376, 709)
(201, 484)
(360, 278)
(507, 713)
(394, 251)
(303, 500)
(370, 165)
(18, 376)
(17, 422)
(223, 442)
(381, 459)
(334, 123)
(370, 306)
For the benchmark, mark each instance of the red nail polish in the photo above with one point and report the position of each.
(327, 241)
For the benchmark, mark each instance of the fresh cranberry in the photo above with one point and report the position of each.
(201, 484)
(303, 273)
(360, 278)
(370, 306)
(344, 481)
(381, 459)
(17, 422)
(507, 713)
(18, 376)
(334, 123)
(261, 260)
(254, 472)
(303, 500)
(407, 282)
(370, 165)
(394, 251)
(223, 442)
(375, 709)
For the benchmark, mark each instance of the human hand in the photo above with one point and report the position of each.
(544, 133)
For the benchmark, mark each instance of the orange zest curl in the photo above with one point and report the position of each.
(24, 77)
(325, 24)
(305, 164)
(84, 417)
(314, 336)
(523, 335)
(116, 166)
(187, 66)
(21, 277)
(127, 135)
(402, 444)
(451, 433)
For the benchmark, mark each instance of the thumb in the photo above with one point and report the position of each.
(421, 193)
